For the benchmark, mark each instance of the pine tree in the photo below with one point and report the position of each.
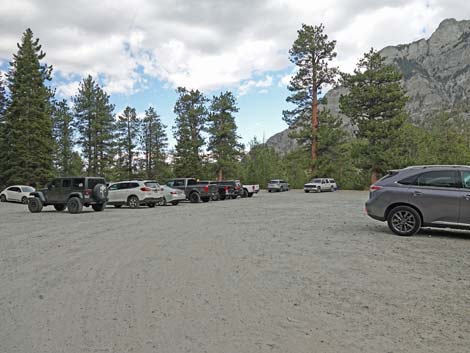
(311, 53)
(127, 131)
(28, 122)
(376, 105)
(223, 139)
(95, 126)
(63, 135)
(3, 147)
(191, 116)
(154, 143)
(261, 164)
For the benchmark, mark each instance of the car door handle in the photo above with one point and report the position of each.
(417, 193)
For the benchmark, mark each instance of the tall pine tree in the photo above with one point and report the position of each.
(3, 147)
(311, 53)
(191, 116)
(376, 105)
(94, 121)
(127, 130)
(28, 123)
(63, 135)
(223, 139)
(154, 142)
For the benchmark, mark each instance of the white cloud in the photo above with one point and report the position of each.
(245, 87)
(207, 44)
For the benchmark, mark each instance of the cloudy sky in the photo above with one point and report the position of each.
(141, 50)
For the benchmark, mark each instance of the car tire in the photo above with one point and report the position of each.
(75, 205)
(133, 201)
(319, 189)
(3, 198)
(98, 207)
(234, 197)
(35, 205)
(269, 190)
(215, 197)
(332, 189)
(151, 204)
(205, 199)
(59, 207)
(99, 193)
(245, 193)
(194, 197)
(404, 221)
(306, 191)
(162, 202)
(175, 203)
(223, 197)
(250, 194)
(24, 200)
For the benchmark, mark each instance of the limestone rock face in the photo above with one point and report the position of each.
(436, 75)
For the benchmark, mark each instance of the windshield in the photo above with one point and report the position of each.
(151, 184)
(274, 182)
(28, 189)
(316, 181)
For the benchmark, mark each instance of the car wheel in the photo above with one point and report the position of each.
(75, 205)
(223, 197)
(194, 197)
(215, 197)
(306, 191)
(332, 188)
(98, 207)
(24, 200)
(34, 205)
(59, 207)
(234, 197)
(133, 202)
(269, 190)
(404, 220)
(161, 202)
(175, 203)
(250, 194)
(151, 205)
(245, 193)
(205, 199)
(319, 189)
(3, 198)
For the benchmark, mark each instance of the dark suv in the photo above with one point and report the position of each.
(72, 193)
(422, 196)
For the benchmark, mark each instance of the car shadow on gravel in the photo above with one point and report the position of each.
(444, 233)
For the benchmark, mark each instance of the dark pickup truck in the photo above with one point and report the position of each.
(195, 191)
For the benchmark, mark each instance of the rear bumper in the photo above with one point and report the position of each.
(148, 200)
(373, 212)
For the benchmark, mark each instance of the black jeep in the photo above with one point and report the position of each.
(71, 192)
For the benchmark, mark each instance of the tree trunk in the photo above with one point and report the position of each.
(221, 175)
(374, 176)
(314, 121)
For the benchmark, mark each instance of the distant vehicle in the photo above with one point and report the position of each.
(320, 184)
(422, 196)
(250, 190)
(229, 189)
(16, 193)
(134, 193)
(72, 193)
(171, 195)
(195, 191)
(278, 185)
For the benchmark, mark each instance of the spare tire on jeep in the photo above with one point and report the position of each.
(100, 193)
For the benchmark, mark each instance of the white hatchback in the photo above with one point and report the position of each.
(16, 193)
(134, 193)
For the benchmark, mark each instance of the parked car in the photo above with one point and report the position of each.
(72, 193)
(195, 191)
(229, 189)
(320, 184)
(134, 193)
(171, 195)
(16, 193)
(250, 190)
(278, 185)
(422, 196)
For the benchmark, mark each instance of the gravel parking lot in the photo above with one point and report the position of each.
(282, 272)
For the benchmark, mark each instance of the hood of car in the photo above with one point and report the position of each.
(312, 184)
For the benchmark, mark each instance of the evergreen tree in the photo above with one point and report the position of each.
(3, 148)
(63, 135)
(127, 130)
(154, 143)
(223, 139)
(95, 126)
(191, 116)
(261, 164)
(311, 53)
(28, 123)
(376, 105)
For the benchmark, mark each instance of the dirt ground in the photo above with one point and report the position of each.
(283, 272)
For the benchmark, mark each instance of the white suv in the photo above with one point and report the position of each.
(320, 184)
(134, 193)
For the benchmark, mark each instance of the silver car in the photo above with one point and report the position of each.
(170, 195)
(422, 196)
(278, 185)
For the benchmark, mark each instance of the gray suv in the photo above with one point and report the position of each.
(422, 196)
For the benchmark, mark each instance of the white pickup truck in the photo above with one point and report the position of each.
(320, 184)
(249, 190)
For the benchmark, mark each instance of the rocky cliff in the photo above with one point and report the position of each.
(436, 75)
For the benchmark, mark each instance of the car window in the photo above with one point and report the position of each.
(133, 185)
(14, 189)
(78, 183)
(27, 189)
(113, 187)
(55, 183)
(92, 182)
(439, 178)
(191, 182)
(123, 186)
(151, 184)
(178, 183)
(332, 181)
(170, 184)
(316, 181)
(466, 179)
(66, 183)
(274, 182)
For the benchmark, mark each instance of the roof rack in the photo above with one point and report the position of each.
(437, 166)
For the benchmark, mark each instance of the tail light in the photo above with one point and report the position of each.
(87, 192)
(173, 193)
(145, 189)
(206, 188)
(375, 187)
(226, 188)
(237, 188)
